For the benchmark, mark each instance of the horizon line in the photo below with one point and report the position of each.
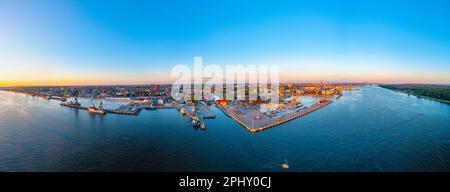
(167, 83)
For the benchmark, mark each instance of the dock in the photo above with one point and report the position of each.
(128, 109)
(252, 119)
(267, 123)
(114, 111)
(199, 111)
(74, 106)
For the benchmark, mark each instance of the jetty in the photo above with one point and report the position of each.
(197, 112)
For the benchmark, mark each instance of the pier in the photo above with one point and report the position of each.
(73, 106)
(114, 111)
(128, 109)
(266, 122)
(201, 110)
(198, 112)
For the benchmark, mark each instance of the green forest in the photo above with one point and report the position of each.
(441, 92)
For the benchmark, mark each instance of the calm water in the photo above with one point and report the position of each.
(373, 129)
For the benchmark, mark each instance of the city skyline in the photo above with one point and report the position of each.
(113, 42)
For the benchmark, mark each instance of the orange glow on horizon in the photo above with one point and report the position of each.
(307, 77)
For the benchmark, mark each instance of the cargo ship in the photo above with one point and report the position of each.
(100, 110)
(72, 104)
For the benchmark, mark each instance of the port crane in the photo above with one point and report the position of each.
(318, 89)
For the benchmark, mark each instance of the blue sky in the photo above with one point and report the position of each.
(106, 41)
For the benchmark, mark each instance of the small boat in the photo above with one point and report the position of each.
(202, 126)
(182, 112)
(196, 122)
(285, 165)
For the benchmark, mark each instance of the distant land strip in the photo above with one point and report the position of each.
(439, 93)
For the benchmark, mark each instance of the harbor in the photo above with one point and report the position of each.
(295, 100)
(133, 107)
(155, 135)
(197, 112)
(250, 119)
(254, 121)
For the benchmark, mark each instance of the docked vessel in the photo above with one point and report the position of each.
(182, 112)
(203, 126)
(100, 110)
(196, 122)
(76, 102)
(73, 104)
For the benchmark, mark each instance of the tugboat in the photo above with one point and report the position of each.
(182, 112)
(202, 126)
(196, 122)
(100, 109)
(322, 100)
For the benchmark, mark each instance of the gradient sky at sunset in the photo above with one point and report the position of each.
(54, 42)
